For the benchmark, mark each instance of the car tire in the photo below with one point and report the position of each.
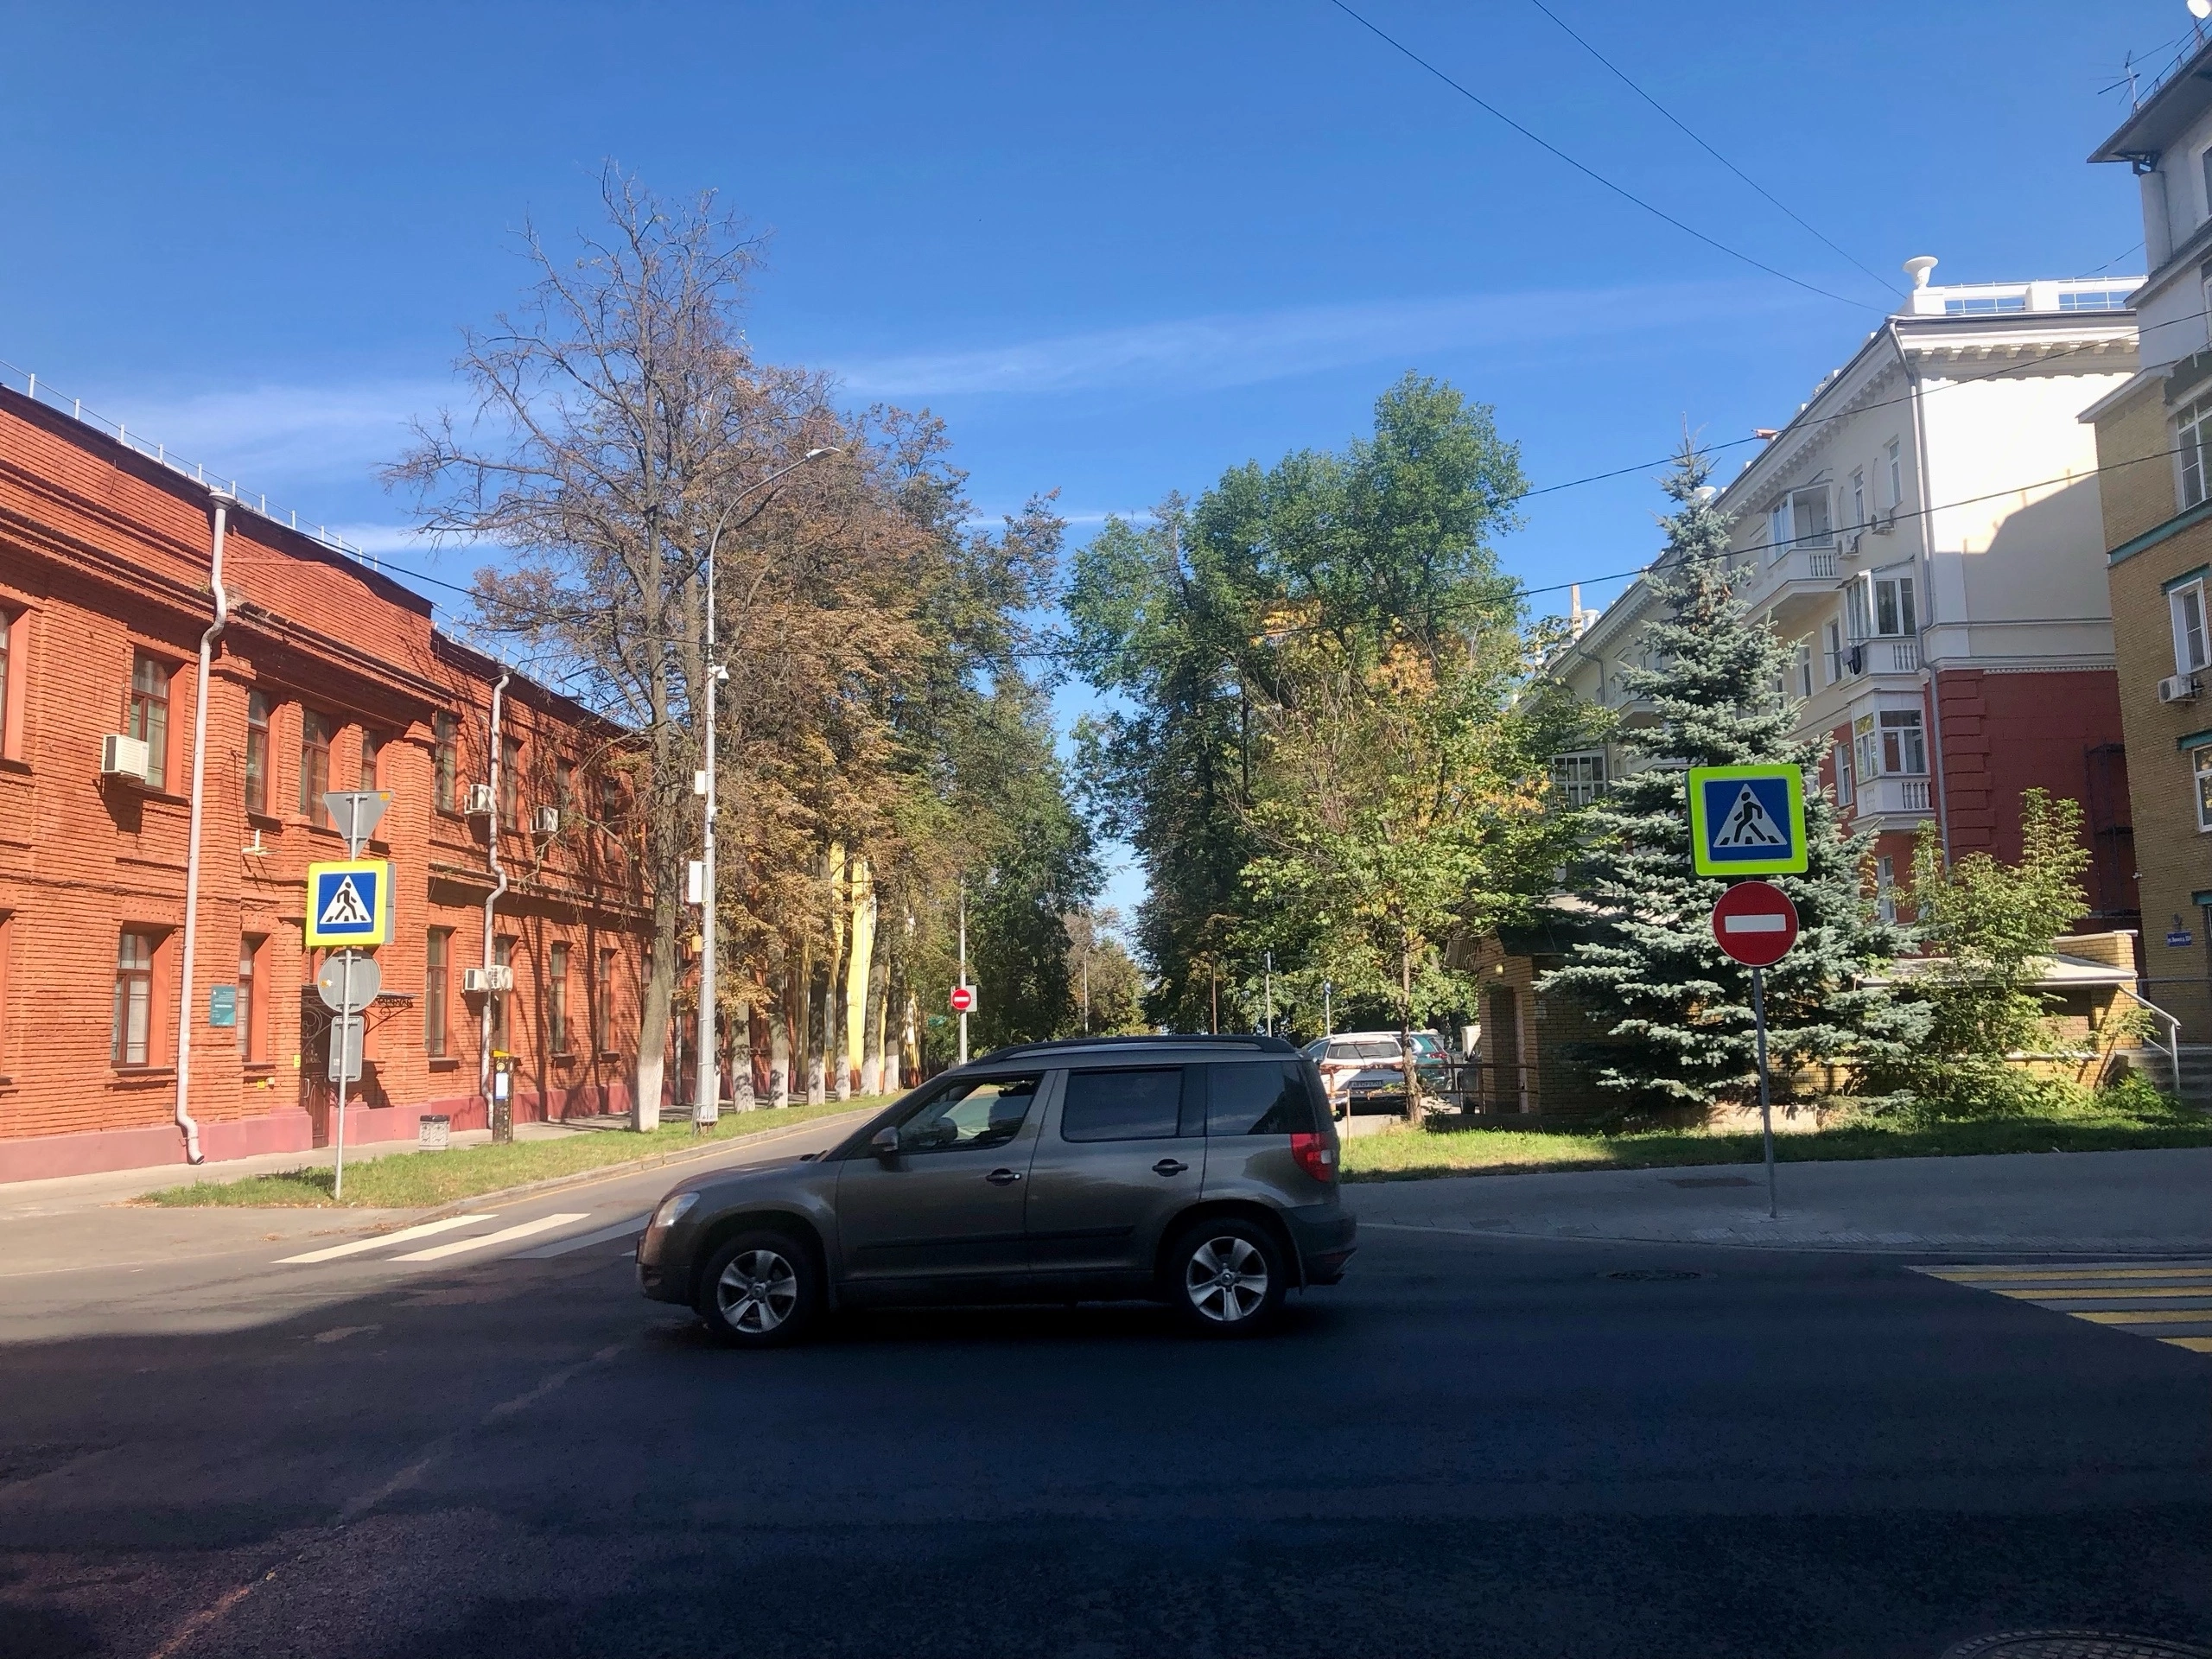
(1225, 1277)
(761, 1289)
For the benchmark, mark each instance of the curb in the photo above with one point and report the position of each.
(609, 1172)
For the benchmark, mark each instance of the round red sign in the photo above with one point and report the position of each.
(963, 999)
(1755, 922)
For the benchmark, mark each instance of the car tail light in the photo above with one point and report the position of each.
(1315, 1156)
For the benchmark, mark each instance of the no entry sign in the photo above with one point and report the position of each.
(963, 999)
(1755, 922)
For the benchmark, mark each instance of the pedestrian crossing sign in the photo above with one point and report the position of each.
(1747, 820)
(349, 903)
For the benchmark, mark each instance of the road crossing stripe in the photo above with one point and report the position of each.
(1983, 1275)
(2116, 1294)
(2145, 1315)
(2194, 1344)
(505, 1235)
(603, 1236)
(382, 1239)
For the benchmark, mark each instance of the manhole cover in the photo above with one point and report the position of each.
(1711, 1181)
(2071, 1644)
(1647, 1275)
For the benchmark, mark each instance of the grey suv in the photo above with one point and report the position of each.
(1199, 1170)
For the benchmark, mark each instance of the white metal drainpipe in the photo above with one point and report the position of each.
(491, 902)
(186, 1005)
(1927, 570)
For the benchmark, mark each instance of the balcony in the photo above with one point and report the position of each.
(1799, 580)
(1894, 797)
(1881, 656)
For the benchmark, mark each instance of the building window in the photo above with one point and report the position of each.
(1809, 524)
(446, 760)
(437, 951)
(1984, 305)
(7, 661)
(610, 800)
(250, 1013)
(1904, 747)
(1858, 500)
(1579, 778)
(2192, 438)
(1804, 668)
(2203, 759)
(1835, 652)
(557, 998)
(1846, 784)
(1865, 751)
(256, 753)
(510, 789)
(2098, 299)
(602, 1004)
(1885, 887)
(150, 715)
(371, 756)
(1893, 608)
(564, 787)
(2187, 604)
(1895, 456)
(132, 1041)
(316, 731)
(503, 955)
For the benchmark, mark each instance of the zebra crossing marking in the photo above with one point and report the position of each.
(505, 1235)
(331, 1253)
(605, 1236)
(2120, 1289)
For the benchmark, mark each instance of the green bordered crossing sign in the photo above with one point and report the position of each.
(1747, 820)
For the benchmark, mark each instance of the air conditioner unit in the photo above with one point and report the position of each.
(124, 757)
(487, 979)
(1851, 546)
(479, 800)
(546, 820)
(2181, 688)
(1885, 521)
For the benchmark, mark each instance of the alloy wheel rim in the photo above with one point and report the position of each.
(757, 1292)
(1226, 1278)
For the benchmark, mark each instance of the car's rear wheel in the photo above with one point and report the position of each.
(1225, 1277)
(760, 1289)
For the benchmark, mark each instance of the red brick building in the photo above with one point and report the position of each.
(326, 675)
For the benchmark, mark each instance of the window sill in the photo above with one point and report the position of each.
(145, 1074)
(445, 1063)
(22, 769)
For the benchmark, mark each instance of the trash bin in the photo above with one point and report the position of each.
(433, 1131)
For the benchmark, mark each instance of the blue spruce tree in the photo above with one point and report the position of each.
(1676, 1009)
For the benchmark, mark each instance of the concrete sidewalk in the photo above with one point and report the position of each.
(2092, 1203)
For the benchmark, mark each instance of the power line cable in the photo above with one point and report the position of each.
(1888, 284)
(1591, 172)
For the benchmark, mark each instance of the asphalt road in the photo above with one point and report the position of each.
(1473, 1446)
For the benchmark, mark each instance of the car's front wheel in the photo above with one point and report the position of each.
(760, 1289)
(1226, 1277)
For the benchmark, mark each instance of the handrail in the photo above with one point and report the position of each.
(2173, 1031)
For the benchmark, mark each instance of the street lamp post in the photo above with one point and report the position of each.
(707, 1101)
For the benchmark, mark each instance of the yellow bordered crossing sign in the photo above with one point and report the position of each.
(349, 903)
(1747, 820)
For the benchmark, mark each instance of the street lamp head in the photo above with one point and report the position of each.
(817, 454)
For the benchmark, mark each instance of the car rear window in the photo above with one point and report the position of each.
(1132, 1105)
(1378, 1051)
(1258, 1098)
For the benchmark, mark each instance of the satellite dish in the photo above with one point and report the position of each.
(2200, 10)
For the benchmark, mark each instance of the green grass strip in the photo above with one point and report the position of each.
(423, 1180)
(1405, 1154)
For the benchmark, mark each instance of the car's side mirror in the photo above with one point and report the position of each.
(885, 1143)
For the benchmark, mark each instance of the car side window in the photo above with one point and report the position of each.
(1131, 1105)
(975, 1114)
(1258, 1099)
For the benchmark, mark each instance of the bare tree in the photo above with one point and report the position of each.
(619, 417)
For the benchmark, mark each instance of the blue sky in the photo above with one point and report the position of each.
(1118, 247)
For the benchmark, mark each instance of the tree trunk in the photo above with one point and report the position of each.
(1406, 1034)
(741, 1046)
(780, 1030)
(837, 1077)
(872, 1024)
(814, 978)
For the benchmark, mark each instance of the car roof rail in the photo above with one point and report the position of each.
(1251, 1042)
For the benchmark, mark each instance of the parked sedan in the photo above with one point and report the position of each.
(1197, 1170)
(1364, 1070)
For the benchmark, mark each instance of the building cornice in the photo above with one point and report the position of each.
(2201, 513)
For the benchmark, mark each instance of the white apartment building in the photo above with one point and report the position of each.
(1926, 531)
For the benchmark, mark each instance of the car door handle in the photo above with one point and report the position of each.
(1003, 1177)
(1169, 1166)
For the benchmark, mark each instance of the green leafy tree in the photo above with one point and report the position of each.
(1678, 1009)
(1989, 929)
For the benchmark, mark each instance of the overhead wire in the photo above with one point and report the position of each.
(1888, 284)
(1591, 172)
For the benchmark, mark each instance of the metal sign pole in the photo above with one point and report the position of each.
(341, 1029)
(1766, 1110)
(964, 966)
